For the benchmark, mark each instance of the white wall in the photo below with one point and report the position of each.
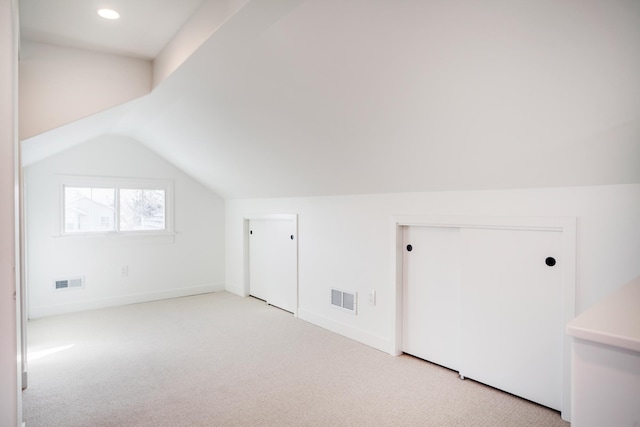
(346, 242)
(193, 263)
(59, 85)
(9, 398)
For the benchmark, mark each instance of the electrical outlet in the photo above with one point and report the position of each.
(124, 271)
(372, 297)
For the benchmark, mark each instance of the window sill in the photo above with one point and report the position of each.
(119, 238)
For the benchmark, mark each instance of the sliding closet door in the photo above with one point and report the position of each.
(511, 311)
(273, 262)
(259, 262)
(431, 282)
(283, 282)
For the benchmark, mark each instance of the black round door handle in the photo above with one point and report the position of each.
(550, 261)
(292, 237)
(409, 248)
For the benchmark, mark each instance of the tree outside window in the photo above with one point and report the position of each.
(142, 209)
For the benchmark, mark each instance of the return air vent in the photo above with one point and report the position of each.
(68, 283)
(344, 300)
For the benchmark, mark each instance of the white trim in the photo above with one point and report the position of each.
(146, 237)
(51, 310)
(479, 221)
(108, 181)
(234, 289)
(566, 225)
(376, 341)
(245, 250)
(273, 217)
(20, 314)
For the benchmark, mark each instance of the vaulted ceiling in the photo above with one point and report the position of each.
(327, 97)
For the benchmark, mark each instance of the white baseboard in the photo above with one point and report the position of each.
(236, 290)
(372, 340)
(52, 310)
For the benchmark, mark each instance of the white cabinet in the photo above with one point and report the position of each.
(606, 360)
(485, 302)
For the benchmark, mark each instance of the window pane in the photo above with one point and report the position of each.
(142, 209)
(89, 209)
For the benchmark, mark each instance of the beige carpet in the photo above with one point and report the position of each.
(221, 360)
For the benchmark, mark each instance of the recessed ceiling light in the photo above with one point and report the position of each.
(108, 14)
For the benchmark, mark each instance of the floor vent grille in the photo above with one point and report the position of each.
(344, 300)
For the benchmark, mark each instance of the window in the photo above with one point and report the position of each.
(114, 206)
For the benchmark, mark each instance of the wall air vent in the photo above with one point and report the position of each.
(344, 300)
(68, 283)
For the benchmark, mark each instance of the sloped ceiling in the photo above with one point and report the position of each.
(330, 97)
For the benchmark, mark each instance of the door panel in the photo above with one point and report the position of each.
(283, 255)
(273, 262)
(511, 312)
(430, 293)
(258, 259)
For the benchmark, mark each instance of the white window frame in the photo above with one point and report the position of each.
(117, 184)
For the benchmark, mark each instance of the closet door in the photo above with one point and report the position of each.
(511, 311)
(431, 282)
(259, 263)
(283, 285)
(273, 262)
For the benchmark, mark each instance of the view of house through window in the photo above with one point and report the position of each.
(113, 209)
(89, 209)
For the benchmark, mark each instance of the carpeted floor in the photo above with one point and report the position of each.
(221, 360)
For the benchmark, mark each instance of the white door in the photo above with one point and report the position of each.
(273, 262)
(431, 282)
(259, 263)
(511, 311)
